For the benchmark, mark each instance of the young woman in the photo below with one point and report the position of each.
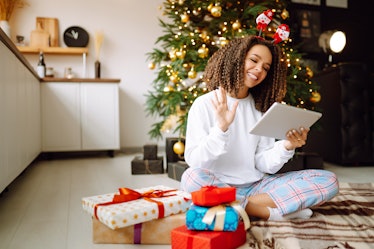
(245, 78)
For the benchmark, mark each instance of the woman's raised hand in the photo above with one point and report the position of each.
(224, 116)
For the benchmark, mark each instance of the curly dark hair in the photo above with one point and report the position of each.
(225, 68)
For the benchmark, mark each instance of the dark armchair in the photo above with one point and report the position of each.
(346, 129)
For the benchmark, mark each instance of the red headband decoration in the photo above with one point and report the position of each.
(282, 33)
(262, 20)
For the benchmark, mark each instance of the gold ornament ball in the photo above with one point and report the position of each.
(210, 7)
(180, 53)
(236, 25)
(185, 18)
(316, 97)
(178, 148)
(168, 89)
(224, 42)
(174, 78)
(151, 66)
(204, 35)
(309, 72)
(203, 52)
(216, 11)
(192, 74)
(285, 14)
(172, 55)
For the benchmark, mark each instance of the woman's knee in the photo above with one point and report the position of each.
(329, 182)
(195, 178)
(191, 179)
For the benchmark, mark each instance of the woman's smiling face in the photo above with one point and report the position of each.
(257, 64)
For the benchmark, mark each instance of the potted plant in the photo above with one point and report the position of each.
(6, 10)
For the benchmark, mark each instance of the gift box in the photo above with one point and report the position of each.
(211, 196)
(150, 232)
(128, 207)
(150, 152)
(175, 170)
(183, 238)
(171, 156)
(218, 218)
(141, 166)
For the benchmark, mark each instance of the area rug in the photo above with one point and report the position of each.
(345, 222)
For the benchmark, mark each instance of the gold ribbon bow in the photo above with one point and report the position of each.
(218, 212)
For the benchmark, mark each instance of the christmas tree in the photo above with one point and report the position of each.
(194, 30)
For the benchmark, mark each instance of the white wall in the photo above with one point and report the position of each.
(130, 30)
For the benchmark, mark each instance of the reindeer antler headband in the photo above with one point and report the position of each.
(283, 31)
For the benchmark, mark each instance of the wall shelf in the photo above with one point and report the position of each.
(53, 50)
(58, 51)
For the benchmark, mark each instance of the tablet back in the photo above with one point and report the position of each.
(281, 118)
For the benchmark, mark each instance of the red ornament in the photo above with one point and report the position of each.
(282, 33)
(264, 19)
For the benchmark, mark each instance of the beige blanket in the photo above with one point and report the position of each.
(347, 221)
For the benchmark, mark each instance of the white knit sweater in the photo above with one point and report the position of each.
(235, 156)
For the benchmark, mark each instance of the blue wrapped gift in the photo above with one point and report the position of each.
(216, 218)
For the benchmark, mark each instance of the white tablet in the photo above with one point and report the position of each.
(280, 118)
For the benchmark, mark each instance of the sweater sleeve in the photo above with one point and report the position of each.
(204, 140)
(271, 156)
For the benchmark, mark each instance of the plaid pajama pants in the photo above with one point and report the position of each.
(291, 191)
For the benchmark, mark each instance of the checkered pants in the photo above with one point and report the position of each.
(291, 191)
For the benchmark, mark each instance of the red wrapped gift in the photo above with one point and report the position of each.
(182, 238)
(209, 196)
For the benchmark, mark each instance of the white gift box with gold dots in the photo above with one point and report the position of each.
(132, 212)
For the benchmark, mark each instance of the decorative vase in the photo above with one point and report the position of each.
(97, 69)
(4, 25)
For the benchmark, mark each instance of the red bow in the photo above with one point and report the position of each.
(127, 194)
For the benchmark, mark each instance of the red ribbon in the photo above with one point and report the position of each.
(127, 194)
(208, 188)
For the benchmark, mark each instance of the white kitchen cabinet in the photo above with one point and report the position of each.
(80, 116)
(20, 132)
